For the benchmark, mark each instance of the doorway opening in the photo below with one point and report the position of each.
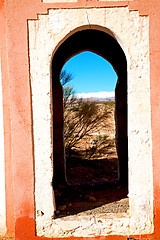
(71, 195)
(89, 120)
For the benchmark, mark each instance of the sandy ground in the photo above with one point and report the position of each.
(93, 184)
(91, 200)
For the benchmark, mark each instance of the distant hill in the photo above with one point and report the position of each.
(92, 99)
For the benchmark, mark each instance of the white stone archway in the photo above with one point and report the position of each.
(132, 32)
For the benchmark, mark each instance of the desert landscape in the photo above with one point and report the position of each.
(92, 168)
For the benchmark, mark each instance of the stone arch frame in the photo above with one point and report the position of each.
(133, 32)
(105, 45)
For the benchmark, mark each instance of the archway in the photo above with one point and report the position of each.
(89, 82)
(106, 46)
(41, 52)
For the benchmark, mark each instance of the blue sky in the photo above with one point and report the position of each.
(92, 73)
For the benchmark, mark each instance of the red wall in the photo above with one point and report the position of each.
(17, 107)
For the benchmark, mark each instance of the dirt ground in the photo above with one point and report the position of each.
(95, 171)
(91, 200)
(93, 186)
(94, 189)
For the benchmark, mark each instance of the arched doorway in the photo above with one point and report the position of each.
(42, 51)
(89, 82)
(106, 46)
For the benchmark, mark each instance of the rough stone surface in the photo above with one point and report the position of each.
(2, 167)
(87, 225)
(132, 33)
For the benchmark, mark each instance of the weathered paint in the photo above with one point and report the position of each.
(17, 107)
(7, 130)
(2, 168)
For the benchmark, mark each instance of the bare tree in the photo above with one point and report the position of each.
(81, 119)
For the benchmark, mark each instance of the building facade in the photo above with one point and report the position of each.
(36, 39)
